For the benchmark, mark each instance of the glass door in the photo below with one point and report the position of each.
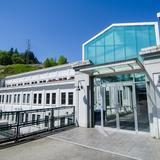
(126, 107)
(120, 111)
(111, 115)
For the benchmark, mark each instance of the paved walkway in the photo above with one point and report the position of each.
(136, 146)
(86, 144)
(52, 149)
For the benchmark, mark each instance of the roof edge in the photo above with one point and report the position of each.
(119, 24)
(39, 70)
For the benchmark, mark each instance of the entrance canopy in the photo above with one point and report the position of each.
(119, 67)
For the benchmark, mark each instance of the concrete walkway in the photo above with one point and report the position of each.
(52, 149)
(131, 145)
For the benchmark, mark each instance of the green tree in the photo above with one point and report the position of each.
(11, 51)
(62, 60)
(16, 51)
(5, 58)
(47, 63)
(52, 62)
(17, 59)
(30, 58)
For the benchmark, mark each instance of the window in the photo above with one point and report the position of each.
(18, 98)
(48, 98)
(38, 119)
(2, 98)
(70, 98)
(15, 96)
(46, 121)
(35, 98)
(33, 117)
(10, 98)
(53, 98)
(28, 98)
(26, 118)
(12, 116)
(7, 98)
(21, 117)
(63, 98)
(24, 98)
(40, 98)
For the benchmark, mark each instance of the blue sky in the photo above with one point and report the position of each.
(58, 27)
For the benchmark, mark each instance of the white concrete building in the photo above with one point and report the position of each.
(116, 85)
(51, 87)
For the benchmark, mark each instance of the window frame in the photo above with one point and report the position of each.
(63, 98)
(72, 94)
(35, 98)
(53, 93)
(40, 100)
(48, 100)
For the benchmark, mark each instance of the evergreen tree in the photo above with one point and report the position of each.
(53, 62)
(47, 63)
(62, 60)
(17, 59)
(11, 51)
(16, 51)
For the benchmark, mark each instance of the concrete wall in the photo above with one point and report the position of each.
(81, 83)
(152, 66)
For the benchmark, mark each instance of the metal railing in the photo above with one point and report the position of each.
(15, 125)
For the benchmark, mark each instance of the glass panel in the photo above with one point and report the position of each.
(130, 42)
(97, 105)
(142, 108)
(120, 43)
(63, 98)
(152, 35)
(110, 110)
(70, 98)
(100, 41)
(35, 98)
(40, 98)
(109, 39)
(139, 77)
(109, 54)
(119, 35)
(47, 98)
(142, 36)
(99, 54)
(126, 110)
(53, 98)
(28, 98)
(119, 53)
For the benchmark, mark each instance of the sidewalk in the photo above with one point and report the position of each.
(131, 145)
(52, 149)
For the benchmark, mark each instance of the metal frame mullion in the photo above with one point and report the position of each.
(135, 107)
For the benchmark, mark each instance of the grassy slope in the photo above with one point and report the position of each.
(17, 68)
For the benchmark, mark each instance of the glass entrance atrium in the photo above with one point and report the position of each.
(120, 101)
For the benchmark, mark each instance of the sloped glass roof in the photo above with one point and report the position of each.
(120, 43)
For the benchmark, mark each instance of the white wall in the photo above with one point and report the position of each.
(152, 66)
(81, 83)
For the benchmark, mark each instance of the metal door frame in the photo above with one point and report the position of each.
(118, 85)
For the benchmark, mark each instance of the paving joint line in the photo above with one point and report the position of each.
(94, 148)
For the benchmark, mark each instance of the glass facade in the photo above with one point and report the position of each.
(120, 101)
(120, 43)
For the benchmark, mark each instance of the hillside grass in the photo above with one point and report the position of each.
(17, 69)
